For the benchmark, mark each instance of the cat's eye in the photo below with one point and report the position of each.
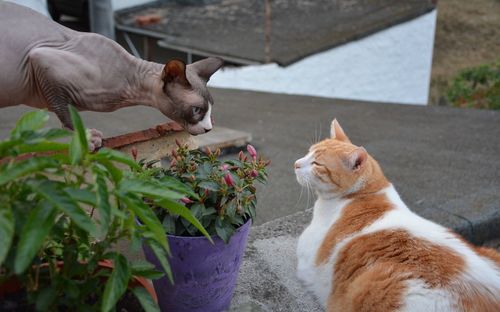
(196, 110)
(317, 164)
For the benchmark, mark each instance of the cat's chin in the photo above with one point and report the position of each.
(301, 179)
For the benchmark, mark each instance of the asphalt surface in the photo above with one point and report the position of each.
(444, 162)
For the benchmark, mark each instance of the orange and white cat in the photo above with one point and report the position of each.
(366, 251)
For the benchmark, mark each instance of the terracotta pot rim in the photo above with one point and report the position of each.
(108, 264)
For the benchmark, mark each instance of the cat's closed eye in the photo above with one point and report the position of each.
(315, 163)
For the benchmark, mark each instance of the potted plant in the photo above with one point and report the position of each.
(61, 212)
(224, 201)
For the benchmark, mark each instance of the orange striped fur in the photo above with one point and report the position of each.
(366, 251)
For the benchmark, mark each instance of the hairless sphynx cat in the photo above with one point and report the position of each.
(46, 65)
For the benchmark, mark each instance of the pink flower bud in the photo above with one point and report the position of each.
(178, 143)
(241, 155)
(251, 150)
(134, 152)
(228, 179)
(254, 173)
(173, 162)
(186, 200)
(224, 167)
(174, 153)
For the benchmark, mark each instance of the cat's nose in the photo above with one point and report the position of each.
(207, 130)
(296, 165)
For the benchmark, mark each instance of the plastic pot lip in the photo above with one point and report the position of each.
(214, 237)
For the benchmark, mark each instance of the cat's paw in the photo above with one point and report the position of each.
(94, 137)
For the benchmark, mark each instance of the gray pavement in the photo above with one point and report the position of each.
(445, 162)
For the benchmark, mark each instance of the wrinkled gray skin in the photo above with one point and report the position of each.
(46, 65)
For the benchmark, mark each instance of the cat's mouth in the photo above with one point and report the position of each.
(196, 129)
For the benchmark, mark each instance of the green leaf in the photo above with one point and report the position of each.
(53, 193)
(102, 200)
(231, 209)
(54, 133)
(26, 167)
(78, 146)
(116, 284)
(113, 155)
(210, 185)
(161, 256)
(6, 147)
(209, 211)
(35, 231)
(82, 195)
(45, 298)
(252, 209)
(169, 224)
(43, 146)
(148, 189)
(224, 230)
(149, 219)
(147, 302)
(146, 270)
(115, 173)
(30, 121)
(178, 209)
(6, 231)
(176, 185)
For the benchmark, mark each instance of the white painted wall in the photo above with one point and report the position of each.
(393, 65)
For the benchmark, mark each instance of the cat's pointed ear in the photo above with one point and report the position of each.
(357, 158)
(175, 71)
(336, 132)
(207, 67)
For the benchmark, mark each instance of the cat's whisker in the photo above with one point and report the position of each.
(309, 192)
(300, 196)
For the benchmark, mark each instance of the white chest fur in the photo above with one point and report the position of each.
(317, 279)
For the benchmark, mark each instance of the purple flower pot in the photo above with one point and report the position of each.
(205, 275)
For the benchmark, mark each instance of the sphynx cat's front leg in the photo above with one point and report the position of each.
(52, 82)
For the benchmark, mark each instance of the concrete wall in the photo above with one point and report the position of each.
(393, 65)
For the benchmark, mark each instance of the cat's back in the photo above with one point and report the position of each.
(23, 30)
(376, 255)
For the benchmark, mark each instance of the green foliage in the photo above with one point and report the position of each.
(61, 214)
(477, 87)
(221, 194)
